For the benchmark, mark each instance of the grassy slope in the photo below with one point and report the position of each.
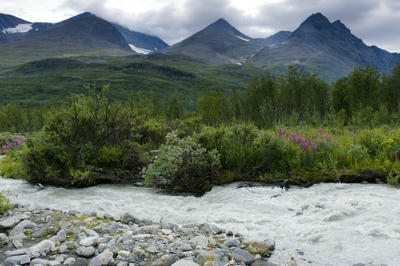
(49, 81)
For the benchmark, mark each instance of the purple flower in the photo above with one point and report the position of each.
(395, 154)
(259, 135)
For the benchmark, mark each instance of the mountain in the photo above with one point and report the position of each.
(277, 38)
(85, 34)
(140, 42)
(13, 28)
(219, 43)
(328, 49)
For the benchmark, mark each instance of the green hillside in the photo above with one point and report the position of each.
(49, 81)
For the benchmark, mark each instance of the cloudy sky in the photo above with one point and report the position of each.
(375, 21)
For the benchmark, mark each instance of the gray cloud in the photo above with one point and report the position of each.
(374, 21)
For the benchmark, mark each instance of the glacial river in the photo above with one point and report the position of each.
(326, 224)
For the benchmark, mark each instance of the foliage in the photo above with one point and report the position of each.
(183, 166)
(5, 202)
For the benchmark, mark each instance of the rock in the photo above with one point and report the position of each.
(43, 248)
(12, 221)
(61, 235)
(3, 239)
(186, 247)
(150, 229)
(127, 218)
(103, 258)
(17, 260)
(59, 259)
(232, 243)
(44, 262)
(91, 232)
(16, 252)
(124, 253)
(166, 231)
(85, 252)
(165, 260)
(89, 241)
(17, 244)
(258, 247)
(69, 261)
(62, 249)
(241, 255)
(204, 256)
(185, 263)
(38, 233)
(203, 241)
(212, 263)
(263, 263)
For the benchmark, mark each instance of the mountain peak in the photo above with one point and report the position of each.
(318, 21)
(221, 22)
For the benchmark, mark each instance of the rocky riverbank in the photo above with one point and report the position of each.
(51, 237)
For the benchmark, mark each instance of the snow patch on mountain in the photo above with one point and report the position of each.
(139, 50)
(243, 39)
(20, 28)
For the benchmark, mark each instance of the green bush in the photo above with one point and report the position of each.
(183, 166)
(242, 147)
(5, 202)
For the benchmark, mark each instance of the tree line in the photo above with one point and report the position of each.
(364, 98)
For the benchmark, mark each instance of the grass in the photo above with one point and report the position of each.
(49, 81)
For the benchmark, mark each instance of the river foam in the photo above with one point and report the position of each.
(326, 224)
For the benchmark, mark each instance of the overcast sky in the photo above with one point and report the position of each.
(377, 22)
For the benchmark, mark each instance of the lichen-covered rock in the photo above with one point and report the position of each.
(258, 247)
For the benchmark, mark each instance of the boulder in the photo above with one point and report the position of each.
(258, 247)
(103, 258)
(85, 252)
(3, 239)
(17, 260)
(89, 241)
(44, 262)
(241, 255)
(61, 236)
(12, 221)
(42, 248)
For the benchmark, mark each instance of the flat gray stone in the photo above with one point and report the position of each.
(17, 260)
(12, 221)
(242, 255)
(185, 263)
(16, 252)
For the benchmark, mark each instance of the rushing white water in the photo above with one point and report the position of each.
(326, 224)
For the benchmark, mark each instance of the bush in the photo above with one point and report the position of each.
(183, 166)
(5, 202)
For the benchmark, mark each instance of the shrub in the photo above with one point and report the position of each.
(5, 202)
(241, 146)
(183, 166)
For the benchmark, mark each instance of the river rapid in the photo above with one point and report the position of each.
(326, 224)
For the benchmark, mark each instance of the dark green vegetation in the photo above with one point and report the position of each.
(49, 81)
(263, 134)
